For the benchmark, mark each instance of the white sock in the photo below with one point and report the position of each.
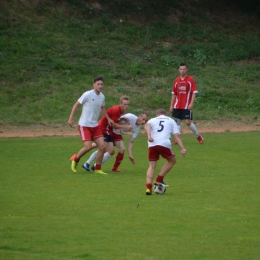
(106, 157)
(193, 128)
(91, 158)
(178, 122)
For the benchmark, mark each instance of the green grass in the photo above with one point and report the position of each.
(50, 53)
(210, 211)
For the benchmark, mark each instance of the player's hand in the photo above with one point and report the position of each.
(150, 139)
(129, 128)
(110, 122)
(71, 122)
(183, 152)
(132, 159)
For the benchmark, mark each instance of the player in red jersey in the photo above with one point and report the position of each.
(184, 92)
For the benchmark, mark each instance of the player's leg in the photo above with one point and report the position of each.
(167, 154)
(102, 145)
(120, 155)
(91, 158)
(86, 137)
(192, 126)
(149, 177)
(153, 156)
(177, 115)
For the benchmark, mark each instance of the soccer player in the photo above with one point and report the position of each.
(127, 119)
(184, 92)
(159, 130)
(114, 113)
(93, 102)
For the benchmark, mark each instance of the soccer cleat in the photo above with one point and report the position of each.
(116, 170)
(161, 183)
(100, 172)
(148, 192)
(86, 167)
(93, 168)
(174, 142)
(73, 166)
(200, 139)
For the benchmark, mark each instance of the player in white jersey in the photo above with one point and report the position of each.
(93, 103)
(127, 119)
(159, 130)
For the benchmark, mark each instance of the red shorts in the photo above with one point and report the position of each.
(89, 133)
(154, 153)
(117, 137)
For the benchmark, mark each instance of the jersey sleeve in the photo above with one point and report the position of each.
(84, 97)
(174, 87)
(194, 86)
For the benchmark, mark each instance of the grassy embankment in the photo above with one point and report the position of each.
(50, 54)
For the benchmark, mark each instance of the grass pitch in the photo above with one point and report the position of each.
(210, 211)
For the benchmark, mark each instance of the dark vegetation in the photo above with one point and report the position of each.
(50, 51)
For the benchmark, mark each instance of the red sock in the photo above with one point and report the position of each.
(76, 159)
(159, 178)
(119, 159)
(98, 166)
(149, 186)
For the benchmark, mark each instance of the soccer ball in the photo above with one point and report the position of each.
(159, 188)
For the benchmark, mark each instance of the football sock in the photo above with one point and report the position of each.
(92, 158)
(193, 128)
(76, 159)
(178, 122)
(149, 186)
(106, 157)
(159, 178)
(97, 166)
(119, 159)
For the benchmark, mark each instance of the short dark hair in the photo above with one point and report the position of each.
(98, 78)
(183, 64)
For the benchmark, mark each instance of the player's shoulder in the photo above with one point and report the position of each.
(190, 78)
(114, 108)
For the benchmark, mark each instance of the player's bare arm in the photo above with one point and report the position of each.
(73, 112)
(192, 101)
(172, 102)
(148, 132)
(179, 141)
(130, 149)
(104, 113)
(119, 126)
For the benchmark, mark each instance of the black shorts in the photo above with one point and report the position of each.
(182, 114)
(108, 138)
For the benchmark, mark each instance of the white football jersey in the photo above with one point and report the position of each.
(91, 108)
(131, 121)
(162, 127)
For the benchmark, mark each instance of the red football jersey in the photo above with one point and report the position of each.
(183, 90)
(114, 113)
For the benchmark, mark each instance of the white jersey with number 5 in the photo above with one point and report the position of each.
(162, 127)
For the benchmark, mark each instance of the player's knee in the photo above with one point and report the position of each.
(102, 148)
(122, 150)
(172, 160)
